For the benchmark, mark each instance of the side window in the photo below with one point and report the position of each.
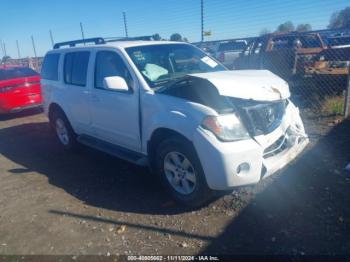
(226, 46)
(248, 48)
(49, 69)
(281, 43)
(68, 64)
(257, 47)
(75, 68)
(109, 63)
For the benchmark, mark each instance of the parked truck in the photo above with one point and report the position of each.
(285, 54)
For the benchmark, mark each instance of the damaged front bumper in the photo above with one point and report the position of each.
(291, 146)
(231, 164)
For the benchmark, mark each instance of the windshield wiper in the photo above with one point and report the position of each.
(168, 83)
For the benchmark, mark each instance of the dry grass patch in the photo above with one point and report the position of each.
(332, 106)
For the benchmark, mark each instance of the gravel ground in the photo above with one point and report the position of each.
(54, 202)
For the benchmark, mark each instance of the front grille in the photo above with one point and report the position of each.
(279, 146)
(262, 117)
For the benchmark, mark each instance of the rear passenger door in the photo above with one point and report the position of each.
(49, 78)
(115, 114)
(75, 71)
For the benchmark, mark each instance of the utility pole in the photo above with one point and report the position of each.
(347, 96)
(125, 24)
(51, 37)
(4, 47)
(34, 49)
(18, 52)
(82, 32)
(35, 64)
(202, 20)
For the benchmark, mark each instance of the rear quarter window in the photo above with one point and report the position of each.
(49, 69)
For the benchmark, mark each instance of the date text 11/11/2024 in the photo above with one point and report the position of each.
(173, 258)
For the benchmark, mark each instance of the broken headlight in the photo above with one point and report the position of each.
(226, 127)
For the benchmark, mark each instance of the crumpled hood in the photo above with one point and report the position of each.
(259, 85)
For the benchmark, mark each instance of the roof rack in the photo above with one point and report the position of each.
(136, 38)
(100, 40)
(96, 40)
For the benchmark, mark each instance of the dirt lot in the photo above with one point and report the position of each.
(54, 202)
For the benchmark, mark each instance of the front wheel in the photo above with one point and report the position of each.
(181, 173)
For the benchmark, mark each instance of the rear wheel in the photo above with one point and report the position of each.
(63, 131)
(181, 173)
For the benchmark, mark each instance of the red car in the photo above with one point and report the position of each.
(19, 89)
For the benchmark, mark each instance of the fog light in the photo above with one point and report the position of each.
(243, 168)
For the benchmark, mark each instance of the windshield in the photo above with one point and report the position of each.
(160, 64)
(16, 72)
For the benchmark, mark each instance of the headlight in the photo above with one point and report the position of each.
(225, 127)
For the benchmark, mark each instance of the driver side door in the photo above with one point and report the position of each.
(114, 114)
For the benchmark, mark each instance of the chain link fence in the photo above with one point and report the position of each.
(315, 64)
(31, 62)
(317, 73)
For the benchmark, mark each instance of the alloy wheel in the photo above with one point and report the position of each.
(180, 173)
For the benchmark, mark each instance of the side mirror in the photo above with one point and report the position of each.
(116, 83)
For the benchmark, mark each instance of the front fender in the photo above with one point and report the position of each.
(164, 111)
(174, 120)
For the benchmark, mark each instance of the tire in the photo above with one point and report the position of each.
(195, 191)
(63, 131)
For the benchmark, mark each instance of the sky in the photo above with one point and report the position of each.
(21, 19)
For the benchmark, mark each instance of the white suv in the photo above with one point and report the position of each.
(167, 105)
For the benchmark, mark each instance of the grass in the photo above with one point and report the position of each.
(332, 106)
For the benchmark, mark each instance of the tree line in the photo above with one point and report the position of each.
(174, 37)
(339, 19)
